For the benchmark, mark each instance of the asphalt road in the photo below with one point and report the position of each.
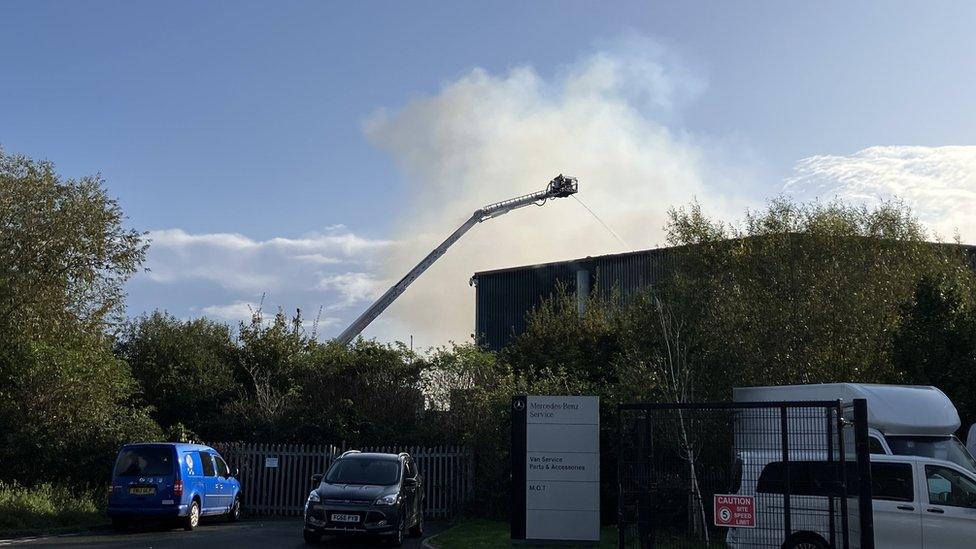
(219, 534)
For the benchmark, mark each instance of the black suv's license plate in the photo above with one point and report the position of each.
(338, 517)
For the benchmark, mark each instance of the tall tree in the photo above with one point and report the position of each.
(268, 359)
(936, 341)
(65, 400)
(805, 293)
(65, 253)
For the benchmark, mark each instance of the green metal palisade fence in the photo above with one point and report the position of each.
(448, 473)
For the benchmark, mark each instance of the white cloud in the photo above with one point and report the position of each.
(352, 287)
(487, 137)
(938, 183)
(243, 311)
(231, 312)
(236, 262)
(229, 276)
(318, 258)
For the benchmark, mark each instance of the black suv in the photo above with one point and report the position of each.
(366, 493)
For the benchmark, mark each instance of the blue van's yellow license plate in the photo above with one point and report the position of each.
(142, 490)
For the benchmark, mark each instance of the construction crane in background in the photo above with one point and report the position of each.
(560, 187)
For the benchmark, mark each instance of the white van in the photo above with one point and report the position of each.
(918, 503)
(902, 419)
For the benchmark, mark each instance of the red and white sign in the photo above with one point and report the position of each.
(735, 511)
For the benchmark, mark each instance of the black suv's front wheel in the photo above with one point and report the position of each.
(311, 537)
(417, 530)
(396, 540)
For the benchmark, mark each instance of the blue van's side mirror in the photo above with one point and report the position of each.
(317, 479)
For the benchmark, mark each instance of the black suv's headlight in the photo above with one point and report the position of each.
(389, 499)
(313, 497)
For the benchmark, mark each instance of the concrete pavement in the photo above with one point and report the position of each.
(218, 534)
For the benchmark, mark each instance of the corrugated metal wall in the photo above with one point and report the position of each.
(503, 297)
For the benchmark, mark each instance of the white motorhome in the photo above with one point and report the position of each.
(923, 478)
(908, 420)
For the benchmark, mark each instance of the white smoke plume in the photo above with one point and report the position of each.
(938, 183)
(488, 137)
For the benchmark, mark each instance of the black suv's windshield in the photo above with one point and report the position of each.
(136, 462)
(359, 470)
(944, 448)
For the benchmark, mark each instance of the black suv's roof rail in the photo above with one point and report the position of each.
(347, 452)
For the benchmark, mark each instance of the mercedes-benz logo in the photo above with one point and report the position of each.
(519, 405)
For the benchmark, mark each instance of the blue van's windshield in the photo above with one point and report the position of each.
(149, 461)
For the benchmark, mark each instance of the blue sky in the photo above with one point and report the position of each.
(248, 134)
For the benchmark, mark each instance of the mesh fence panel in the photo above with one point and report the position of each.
(794, 460)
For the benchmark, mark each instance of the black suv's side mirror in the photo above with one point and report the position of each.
(317, 479)
(409, 483)
(235, 472)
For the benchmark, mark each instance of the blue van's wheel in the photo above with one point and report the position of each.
(119, 524)
(235, 510)
(192, 517)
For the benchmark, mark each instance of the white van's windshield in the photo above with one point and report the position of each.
(947, 448)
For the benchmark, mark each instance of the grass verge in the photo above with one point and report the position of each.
(46, 509)
(491, 534)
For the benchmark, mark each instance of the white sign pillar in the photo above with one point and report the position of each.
(556, 468)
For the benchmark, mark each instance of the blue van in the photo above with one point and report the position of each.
(172, 481)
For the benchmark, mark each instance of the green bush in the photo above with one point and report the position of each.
(185, 369)
(65, 411)
(47, 507)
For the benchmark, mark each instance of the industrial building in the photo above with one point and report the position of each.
(504, 296)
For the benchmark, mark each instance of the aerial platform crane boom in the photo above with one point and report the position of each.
(561, 186)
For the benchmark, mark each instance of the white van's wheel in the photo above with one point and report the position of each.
(192, 517)
(803, 541)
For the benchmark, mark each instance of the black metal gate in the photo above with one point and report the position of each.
(744, 475)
